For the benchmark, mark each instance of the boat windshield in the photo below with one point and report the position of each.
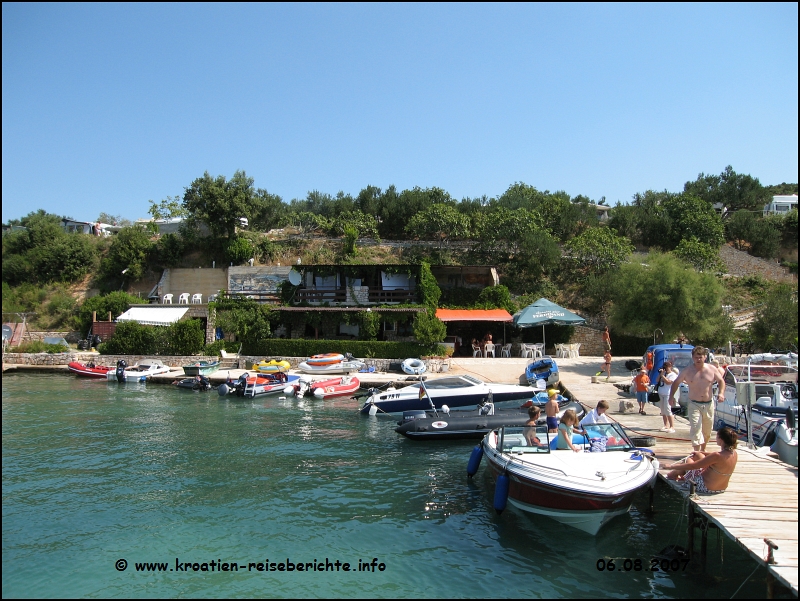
(763, 373)
(609, 437)
(444, 383)
(524, 440)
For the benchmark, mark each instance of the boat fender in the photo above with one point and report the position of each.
(223, 390)
(501, 493)
(288, 390)
(373, 409)
(445, 409)
(474, 461)
(319, 392)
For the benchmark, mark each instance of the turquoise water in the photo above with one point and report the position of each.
(95, 472)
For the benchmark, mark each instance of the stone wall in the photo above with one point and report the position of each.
(590, 340)
(110, 360)
(72, 337)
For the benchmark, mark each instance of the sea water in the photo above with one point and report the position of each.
(141, 490)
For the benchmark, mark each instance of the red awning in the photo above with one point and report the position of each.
(473, 315)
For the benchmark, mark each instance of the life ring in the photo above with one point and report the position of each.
(413, 366)
(325, 359)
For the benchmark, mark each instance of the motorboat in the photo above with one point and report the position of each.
(544, 368)
(248, 385)
(342, 367)
(341, 386)
(583, 490)
(272, 367)
(139, 372)
(201, 368)
(199, 383)
(453, 391)
(772, 396)
(89, 370)
(474, 423)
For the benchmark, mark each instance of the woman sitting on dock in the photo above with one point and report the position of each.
(710, 472)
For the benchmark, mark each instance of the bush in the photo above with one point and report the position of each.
(184, 338)
(282, 347)
(239, 250)
(131, 338)
(37, 346)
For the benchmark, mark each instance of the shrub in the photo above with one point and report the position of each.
(283, 347)
(239, 250)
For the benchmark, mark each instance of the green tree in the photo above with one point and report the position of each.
(364, 224)
(185, 338)
(245, 318)
(129, 252)
(740, 228)
(598, 249)
(665, 293)
(114, 302)
(700, 256)
(429, 290)
(428, 329)
(732, 190)
(239, 250)
(496, 297)
(691, 217)
(169, 208)
(440, 222)
(220, 203)
(775, 325)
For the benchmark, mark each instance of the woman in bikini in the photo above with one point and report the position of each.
(710, 472)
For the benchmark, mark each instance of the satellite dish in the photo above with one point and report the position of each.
(7, 333)
(295, 277)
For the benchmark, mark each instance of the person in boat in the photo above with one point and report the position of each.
(710, 472)
(700, 377)
(551, 410)
(568, 426)
(597, 415)
(666, 402)
(530, 426)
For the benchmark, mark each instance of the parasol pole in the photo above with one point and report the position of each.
(544, 342)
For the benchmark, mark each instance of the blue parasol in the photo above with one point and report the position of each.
(544, 313)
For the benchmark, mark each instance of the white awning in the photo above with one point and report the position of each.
(154, 316)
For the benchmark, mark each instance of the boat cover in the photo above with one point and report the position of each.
(153, 316)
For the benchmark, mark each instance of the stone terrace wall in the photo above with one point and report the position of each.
(590, 341)
(110, 360)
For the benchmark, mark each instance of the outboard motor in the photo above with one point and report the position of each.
(121, 365)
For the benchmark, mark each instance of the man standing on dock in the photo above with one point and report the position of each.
(700, 377)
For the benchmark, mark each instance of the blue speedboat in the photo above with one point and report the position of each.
(544, 368)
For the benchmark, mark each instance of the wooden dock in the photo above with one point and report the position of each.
(761, 500)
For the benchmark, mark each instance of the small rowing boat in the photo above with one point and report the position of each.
(201, 368)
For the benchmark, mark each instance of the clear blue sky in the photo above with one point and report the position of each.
(108, 106)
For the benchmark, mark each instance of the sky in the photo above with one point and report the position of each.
(108, 106)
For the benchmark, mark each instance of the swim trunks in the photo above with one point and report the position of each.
(552, 423)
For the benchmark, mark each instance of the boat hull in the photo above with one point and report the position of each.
(201, 369)
(408, 399)
(582, 490)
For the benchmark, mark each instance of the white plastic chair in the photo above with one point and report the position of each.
(197, 299)
(506, 351)
(538, 350)
(167, 299)
(525, 350)
(574, 350)
(183, 299)
(561, 351)
(488, 348)
(476, 350)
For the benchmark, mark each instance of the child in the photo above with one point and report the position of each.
(530, 426)
(568, 424)
(597, 415)
(641, 382)
(551, 410)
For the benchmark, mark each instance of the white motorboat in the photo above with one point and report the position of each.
(583, 490)
(342, 367)
(139, 372)
(775, 394)
(785, 444)
(453, 391)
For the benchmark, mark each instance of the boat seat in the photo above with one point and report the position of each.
(577, 439)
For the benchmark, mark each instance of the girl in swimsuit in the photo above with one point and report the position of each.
(710, 472)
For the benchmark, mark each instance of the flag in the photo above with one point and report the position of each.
(421, 392)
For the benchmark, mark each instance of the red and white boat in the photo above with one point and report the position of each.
(341, 386)
(89, 370)
(584, 490)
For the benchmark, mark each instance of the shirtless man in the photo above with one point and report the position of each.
(551, 410)
(700, 377)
